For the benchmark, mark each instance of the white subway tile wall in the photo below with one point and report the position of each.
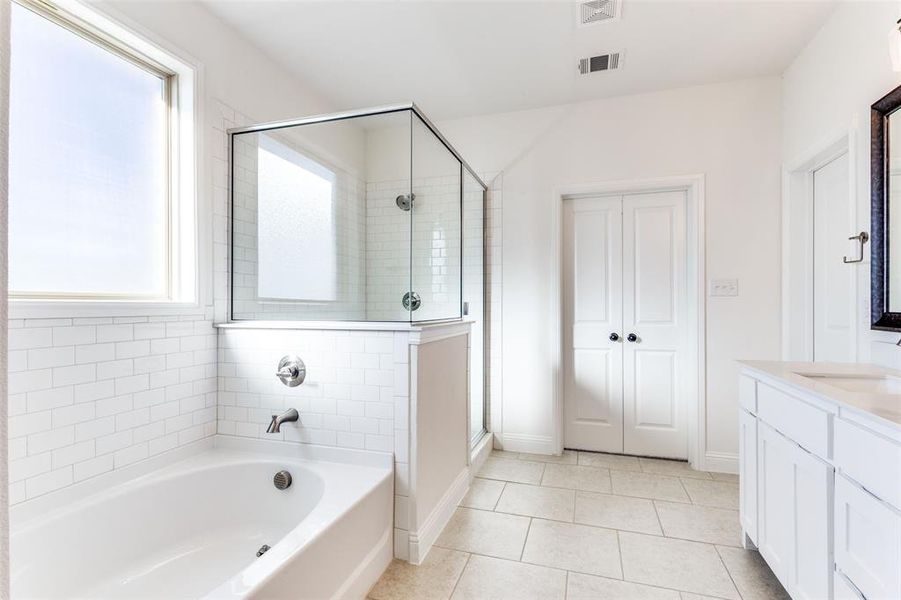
(435, 259)
(91, 395)
(355, 394)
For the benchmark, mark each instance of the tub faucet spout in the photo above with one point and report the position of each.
(289, 416)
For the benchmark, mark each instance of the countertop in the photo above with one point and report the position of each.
(886, 406)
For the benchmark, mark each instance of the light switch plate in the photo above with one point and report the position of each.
(723, 287)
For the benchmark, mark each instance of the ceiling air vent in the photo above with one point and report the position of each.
(604, 62)
(598, 11)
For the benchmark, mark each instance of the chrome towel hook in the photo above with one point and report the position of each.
(863, 237)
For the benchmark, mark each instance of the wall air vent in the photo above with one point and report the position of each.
(598, 11)
(604, 62)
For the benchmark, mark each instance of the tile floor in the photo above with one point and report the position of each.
(589, 526)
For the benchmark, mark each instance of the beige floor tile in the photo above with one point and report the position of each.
(699, 523)
(534, 501)
(609, 461)
(568, 457)
(617, 512)
(506, 469)
(752, 576)
(673, 468)
(576, 477)
(483, 493)
(722, 494)
(730, 477)
(493, 579)
(573, 547)
(484, 532)
(435, 578)
(589, 587)
(676, 564)
(690, 596)
(504, 454)
(648, 485)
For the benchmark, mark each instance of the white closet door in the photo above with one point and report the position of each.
(833, 280)
(653, 295)
(592, 277)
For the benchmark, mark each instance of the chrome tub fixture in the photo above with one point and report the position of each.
(289, 416)
(291, 371)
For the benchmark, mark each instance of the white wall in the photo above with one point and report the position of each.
(728, 132)
(827, 93)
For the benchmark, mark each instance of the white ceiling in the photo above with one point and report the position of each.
(461, 58)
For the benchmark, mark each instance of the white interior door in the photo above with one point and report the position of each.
(654, 313)
(624, 273)
(833, 280)
(592, 311)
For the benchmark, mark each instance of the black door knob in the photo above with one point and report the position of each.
(614, 337)
(632, 337)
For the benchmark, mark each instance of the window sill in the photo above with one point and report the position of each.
(66, 309)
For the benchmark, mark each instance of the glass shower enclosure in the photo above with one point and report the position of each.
(368, 215)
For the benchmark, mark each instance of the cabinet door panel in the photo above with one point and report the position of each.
(867, 541)
(774, 507)
(747, 480)
(811, 570)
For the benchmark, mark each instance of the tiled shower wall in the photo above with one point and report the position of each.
(432, 269)
(350, 259)
(91, 395)
(493, 258)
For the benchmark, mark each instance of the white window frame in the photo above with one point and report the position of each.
(184, 291)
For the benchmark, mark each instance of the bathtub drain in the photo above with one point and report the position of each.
(262, 550)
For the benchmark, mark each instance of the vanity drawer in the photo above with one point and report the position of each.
(747, 394)
(870, 459)
(867, 541)
(805, 424)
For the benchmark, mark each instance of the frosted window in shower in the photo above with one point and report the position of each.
(89, 167)
(296, 226)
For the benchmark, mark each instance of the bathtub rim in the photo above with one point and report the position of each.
(49, 505)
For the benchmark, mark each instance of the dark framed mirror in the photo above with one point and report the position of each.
(885, 212)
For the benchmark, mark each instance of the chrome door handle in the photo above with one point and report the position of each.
(632, 337)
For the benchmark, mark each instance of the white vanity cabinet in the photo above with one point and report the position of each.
(820, 485)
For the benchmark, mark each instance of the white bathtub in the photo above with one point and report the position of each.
(189, 524)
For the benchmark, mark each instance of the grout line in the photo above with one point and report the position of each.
(460, 576)
(526, 540)
(498, 501)
(729, 573)
(659, 522)
(566, 586)
(619, 550)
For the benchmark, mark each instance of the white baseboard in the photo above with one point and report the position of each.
(421, 541)
(533, 444)
(720, 462)
(480, 454)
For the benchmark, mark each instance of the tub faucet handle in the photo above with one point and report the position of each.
(291, 371)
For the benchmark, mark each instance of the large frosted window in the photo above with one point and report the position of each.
(89, 166)
(296, 229)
